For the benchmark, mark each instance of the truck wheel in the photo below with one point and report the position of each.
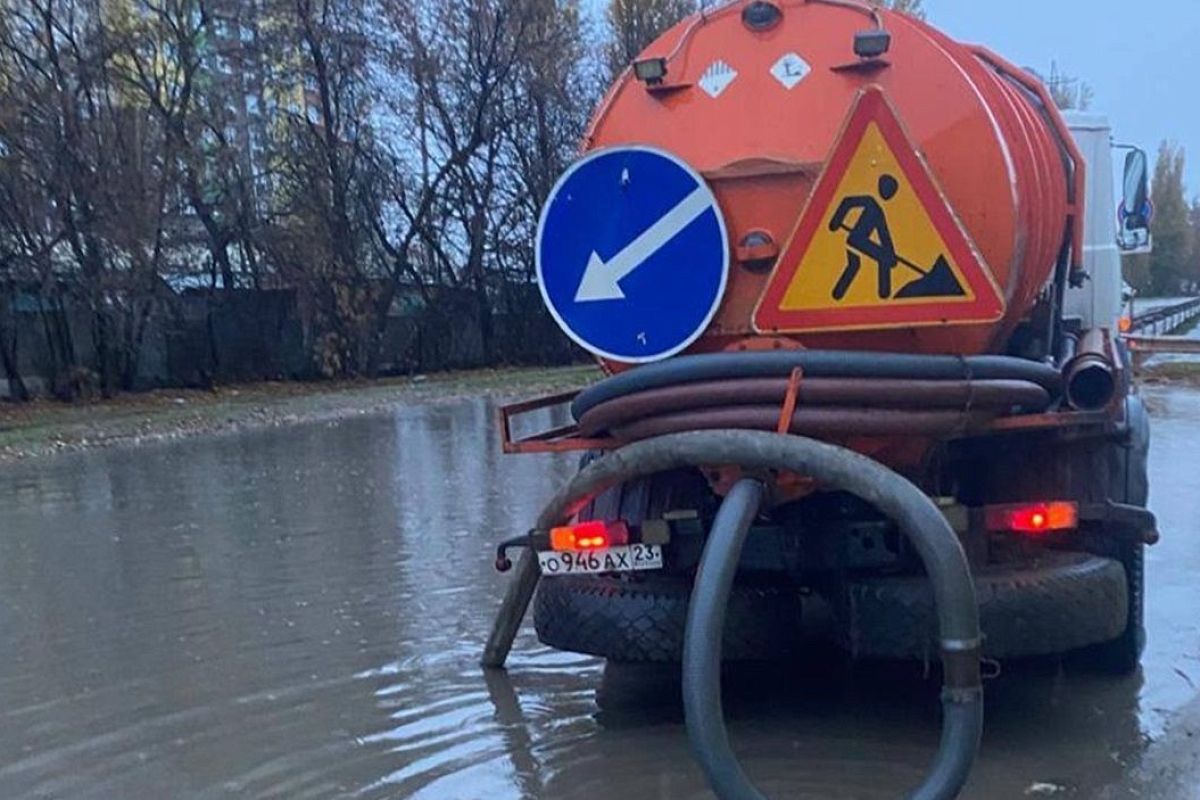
(1123, 655)
(1091, 471)
(1129, 483)
(1058, 602)
(643, 620)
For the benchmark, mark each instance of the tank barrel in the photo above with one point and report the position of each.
(866, 227)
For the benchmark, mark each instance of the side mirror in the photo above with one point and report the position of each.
(1136, 210)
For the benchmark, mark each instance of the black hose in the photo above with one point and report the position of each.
(702, 643)
(809, 422)
(961, 722)
(836, 468)
(817, 364)
(962, 726)
(1001, 397)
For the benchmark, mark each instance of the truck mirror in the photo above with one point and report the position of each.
(1137, 209)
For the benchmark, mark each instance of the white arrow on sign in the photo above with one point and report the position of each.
(601, 279)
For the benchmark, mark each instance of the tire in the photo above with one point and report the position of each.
(1090, 471)
(644, 620)
(1123, 655)
(1129, 483)
(1060, 602)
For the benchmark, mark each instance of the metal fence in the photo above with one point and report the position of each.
(202, 338)
(1149, 332)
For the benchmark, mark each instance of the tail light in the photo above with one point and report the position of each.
(1043, 517)
(592, 535)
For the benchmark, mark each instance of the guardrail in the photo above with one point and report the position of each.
(1148, 332)
(1150, 345)
(1165, 319)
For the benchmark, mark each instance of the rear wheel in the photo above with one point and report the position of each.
(1052, 603)
(1092, 470)
(1129, 483)
(643, 620)
(1123, 655)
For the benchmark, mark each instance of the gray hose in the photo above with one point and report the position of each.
(961, 722)
(702, 643)
(835, 468)
(816, 364)
(962, 726)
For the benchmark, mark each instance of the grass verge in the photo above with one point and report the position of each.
(1180, 372)
(43, 427)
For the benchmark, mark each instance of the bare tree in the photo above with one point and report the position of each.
(493, 102)
(1069, 92)
(325, 153)
(634, 24)
(349, 151)
(100, 161)
(913, 8)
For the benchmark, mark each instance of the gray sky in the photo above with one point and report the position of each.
(1141, 58)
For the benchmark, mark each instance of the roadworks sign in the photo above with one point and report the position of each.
(878, 245)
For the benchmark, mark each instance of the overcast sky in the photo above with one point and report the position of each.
(1141, 58)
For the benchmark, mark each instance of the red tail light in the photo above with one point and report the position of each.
(592, 535)
(1043, 517)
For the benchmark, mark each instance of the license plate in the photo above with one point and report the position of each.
(615, 559)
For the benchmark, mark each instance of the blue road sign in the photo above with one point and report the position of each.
(632, 254)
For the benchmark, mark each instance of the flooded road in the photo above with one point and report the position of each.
(299, 613)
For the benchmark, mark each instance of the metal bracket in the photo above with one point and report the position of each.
(1133, 522)
(562, 439)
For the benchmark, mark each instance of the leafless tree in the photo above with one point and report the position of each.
(99, 159)
(911, 7)
(494, 102)
(350, 151)
(634, 24)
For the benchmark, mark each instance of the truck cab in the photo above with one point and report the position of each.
(1104, 298)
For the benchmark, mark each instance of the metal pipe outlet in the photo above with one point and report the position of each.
(1090, 377)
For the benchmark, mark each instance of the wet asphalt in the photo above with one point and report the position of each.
(298, 613)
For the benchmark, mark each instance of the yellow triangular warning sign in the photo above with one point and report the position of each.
(878, 245)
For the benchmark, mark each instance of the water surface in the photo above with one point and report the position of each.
(299, 612)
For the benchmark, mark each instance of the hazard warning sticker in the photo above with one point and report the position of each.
(878, 245)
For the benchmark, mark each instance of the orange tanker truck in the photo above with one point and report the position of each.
(855, 287)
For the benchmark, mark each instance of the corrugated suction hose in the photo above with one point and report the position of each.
(836, 468)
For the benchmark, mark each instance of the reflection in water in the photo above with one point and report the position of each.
(299, 613)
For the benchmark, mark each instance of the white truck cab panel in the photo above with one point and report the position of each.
(1098, 302)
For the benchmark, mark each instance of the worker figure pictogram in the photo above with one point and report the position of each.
(877, 244)
(870, 237)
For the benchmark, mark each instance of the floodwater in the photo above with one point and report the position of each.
(298, 613)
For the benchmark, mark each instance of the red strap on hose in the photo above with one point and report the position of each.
(789, 401)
